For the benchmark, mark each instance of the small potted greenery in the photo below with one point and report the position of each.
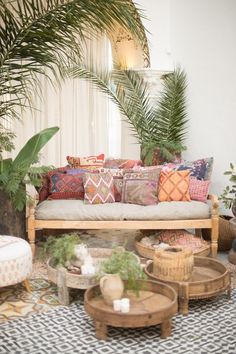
(228, 196)
(61, 250)
(122, 265)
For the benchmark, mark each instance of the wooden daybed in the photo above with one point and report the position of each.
(71, 214)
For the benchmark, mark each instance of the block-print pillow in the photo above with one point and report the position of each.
(44, 189)
(181, 238)
(98, 188)
(65, 186)
(174, 186)
(201, 169)
(89, 162)
(140, 187)
(198, 190)
(122, 163)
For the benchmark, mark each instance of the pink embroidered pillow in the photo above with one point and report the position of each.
(89, 162)
(98, 188)
(198, 190)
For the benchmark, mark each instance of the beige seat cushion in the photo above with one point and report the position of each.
(77, 210)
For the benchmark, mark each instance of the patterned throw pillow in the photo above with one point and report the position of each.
(98, 188)
(198, 189)
(201, 169)
(66, 186)
(174, 186)
(140, 187)
(121, 163)
(89, 162)
(117, 180)
(44, 189)
(181, 238)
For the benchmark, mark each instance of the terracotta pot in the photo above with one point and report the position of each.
(232, 226)
(112, 287)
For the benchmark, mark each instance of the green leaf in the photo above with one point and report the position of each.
(30, 151)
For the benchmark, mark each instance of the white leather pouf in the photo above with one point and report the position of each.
(15, 260)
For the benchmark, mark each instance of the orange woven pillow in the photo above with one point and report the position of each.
(174, 186)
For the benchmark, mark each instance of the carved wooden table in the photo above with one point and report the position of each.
(156, 304)
(210, 278)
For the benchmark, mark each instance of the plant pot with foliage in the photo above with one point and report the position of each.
(120, 273)
(15, 175)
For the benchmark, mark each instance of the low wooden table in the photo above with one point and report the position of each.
(210, 278)
(156, 304)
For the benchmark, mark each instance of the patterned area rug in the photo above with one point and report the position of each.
(209, 328)
(15, 302)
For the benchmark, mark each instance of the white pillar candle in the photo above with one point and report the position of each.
(117, 305)
(125, 308)
(125, 301)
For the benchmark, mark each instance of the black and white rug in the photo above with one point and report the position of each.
(209, 328)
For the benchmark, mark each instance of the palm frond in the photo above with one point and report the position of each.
(49, 34)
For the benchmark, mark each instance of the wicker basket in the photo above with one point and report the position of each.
(226, 236)
(148, 252)
(79, 281)
(173, 264)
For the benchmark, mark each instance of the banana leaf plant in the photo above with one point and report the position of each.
(15, 174)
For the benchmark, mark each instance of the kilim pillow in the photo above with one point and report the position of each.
(201, 169)
(44, 189)
(98, 188)
(198, 189)
(174, 186)
(65, 186)
(181, 238)
(117, 180)
(89, 162)
(121, 163)
(140, 187)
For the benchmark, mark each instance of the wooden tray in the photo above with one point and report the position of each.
(65, 279)
(210, 278)
(156, 304)
(148, 252)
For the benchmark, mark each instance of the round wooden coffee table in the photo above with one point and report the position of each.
(156, 304)
(210, 278)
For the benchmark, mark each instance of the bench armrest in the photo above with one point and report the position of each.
(214, 204)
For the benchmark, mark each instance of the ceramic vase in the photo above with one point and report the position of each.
(112, 288)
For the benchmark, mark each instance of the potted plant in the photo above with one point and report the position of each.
(14, 176)
(61, 250)
(228, 197)
(159, 124)
(121, 266)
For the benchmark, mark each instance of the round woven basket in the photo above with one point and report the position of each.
(148, 252)
(226, 236)
(173, 263)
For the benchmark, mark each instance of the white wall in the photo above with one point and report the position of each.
(200, 35)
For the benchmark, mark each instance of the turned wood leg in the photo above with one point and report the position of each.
(183, 296)
(165, 329)
(62, 289)
(214, 235)
(100, 330)
(27, 285)
(31, 229)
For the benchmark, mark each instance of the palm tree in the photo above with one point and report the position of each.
(160, 124)
(48, 34)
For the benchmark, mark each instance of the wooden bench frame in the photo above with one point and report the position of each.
(198, 224)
